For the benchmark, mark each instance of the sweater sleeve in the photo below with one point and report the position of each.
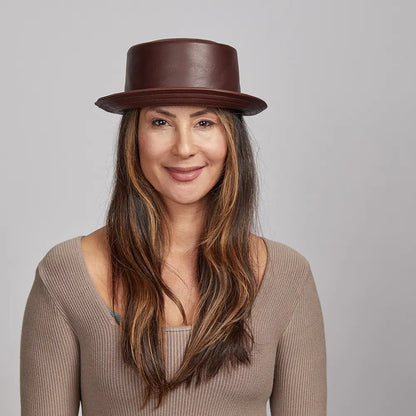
(49, 358)
(300, 387)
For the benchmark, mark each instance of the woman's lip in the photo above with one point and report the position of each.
(187, 169)
(186, 176)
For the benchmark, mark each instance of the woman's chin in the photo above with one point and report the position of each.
(184, 199)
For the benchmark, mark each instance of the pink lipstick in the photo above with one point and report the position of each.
(184, 174)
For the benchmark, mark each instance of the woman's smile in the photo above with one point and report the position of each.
(184, 176)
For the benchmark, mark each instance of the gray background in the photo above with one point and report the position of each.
(335, 153)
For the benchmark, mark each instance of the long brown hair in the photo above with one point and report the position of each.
(137, 230)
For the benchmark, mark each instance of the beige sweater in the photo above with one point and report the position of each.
(69, 352)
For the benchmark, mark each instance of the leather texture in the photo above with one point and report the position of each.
(182, 71)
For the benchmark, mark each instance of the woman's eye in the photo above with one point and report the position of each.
(205, 123)
(159, 122)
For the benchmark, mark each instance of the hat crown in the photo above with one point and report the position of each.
(182, 63)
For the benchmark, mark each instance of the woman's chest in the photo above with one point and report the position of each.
(113, 383)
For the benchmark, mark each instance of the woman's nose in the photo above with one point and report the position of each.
(184, 143)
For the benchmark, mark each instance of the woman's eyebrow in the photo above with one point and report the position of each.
(159, 110)
(201, 112)
(198, 113)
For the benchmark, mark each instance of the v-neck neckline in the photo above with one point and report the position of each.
(184, 328)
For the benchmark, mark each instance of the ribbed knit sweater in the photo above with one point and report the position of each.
(70, 352)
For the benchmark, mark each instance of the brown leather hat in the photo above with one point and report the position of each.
(182, 71)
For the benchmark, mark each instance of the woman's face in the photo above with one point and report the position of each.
(181, 137)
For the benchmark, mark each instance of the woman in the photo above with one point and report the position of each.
(175, 307)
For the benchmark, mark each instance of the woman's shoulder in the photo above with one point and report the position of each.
(286, 254)
(60, 254)
(69, 252)
(283, 266)
(288, 272)
(61, 266)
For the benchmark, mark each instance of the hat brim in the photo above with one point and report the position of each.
(121, 102)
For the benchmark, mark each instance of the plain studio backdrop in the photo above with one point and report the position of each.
(335, 152)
